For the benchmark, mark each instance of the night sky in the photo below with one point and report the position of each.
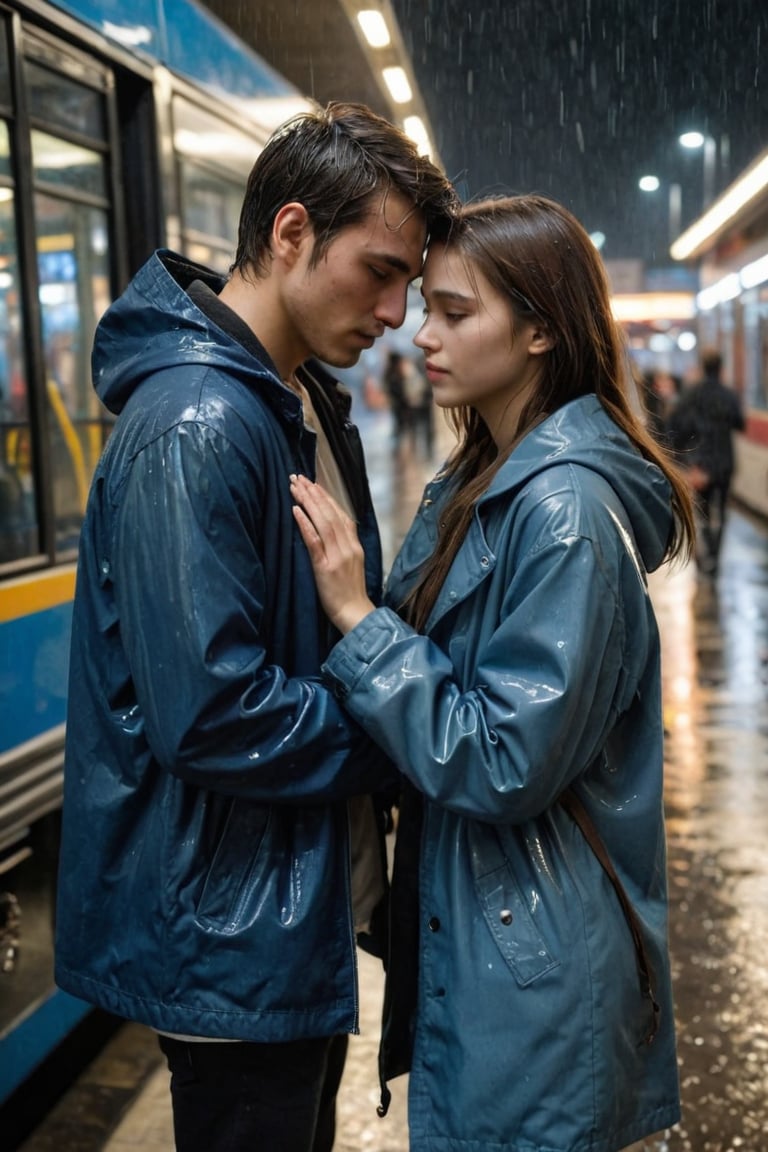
(577, 99)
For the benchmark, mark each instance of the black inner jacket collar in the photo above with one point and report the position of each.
(330, 401)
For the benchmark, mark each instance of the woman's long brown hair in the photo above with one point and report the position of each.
(535, 253)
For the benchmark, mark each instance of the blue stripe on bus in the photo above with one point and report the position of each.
(27, 1044)
(34, 658)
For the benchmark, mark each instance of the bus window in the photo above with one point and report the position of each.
(18, 518)
(211, 210)
(214, 161)
(63, 103)
(72, 230)
(74, 292)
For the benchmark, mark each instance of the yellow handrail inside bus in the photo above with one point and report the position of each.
(72, 441)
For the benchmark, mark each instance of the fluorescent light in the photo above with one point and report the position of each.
(745, 189)
(755, 273)
(725, 289)
(414, 127)
(642, 306)
(398, 85)
(374, 28)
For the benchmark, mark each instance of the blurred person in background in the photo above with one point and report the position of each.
(700, 431)
(393, 381)
(418, 399)
(513, 676)
(410, 399)
(660, 392)
(221, 848)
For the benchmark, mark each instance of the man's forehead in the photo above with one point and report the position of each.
(398, 228)
(397, 209)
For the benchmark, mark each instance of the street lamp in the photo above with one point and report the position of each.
(694, 140)
(652, 184)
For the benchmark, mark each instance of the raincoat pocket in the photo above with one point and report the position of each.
(234, 867)
(511, 925)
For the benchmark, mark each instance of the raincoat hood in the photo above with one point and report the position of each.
(582, 433)
(134, 340)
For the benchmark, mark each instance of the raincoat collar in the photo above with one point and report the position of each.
(582, 433)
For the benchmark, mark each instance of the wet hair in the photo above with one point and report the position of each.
(335, 161)
(538, 256)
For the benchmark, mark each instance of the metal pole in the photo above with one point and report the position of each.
(675, 211)
(710, 160)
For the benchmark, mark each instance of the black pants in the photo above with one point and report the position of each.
(711, 504)
(243, 1097)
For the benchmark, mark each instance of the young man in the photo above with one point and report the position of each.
(219, 844)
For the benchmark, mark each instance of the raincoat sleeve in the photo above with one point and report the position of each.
(550, 678)
(189, 578)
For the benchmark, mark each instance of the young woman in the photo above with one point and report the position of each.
(514, 678)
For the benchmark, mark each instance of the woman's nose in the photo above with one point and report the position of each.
(424, 337)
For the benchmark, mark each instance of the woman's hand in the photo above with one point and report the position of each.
(335, 551)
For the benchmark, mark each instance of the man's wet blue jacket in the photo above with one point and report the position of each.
(204, 880)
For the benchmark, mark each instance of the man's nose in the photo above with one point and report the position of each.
(391, 306)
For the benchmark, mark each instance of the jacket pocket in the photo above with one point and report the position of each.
(512, 927)
(506, 913)
(234, 868)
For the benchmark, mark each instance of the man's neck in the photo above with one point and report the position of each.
(258, 305)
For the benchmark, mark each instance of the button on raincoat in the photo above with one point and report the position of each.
(540, 670)
(205, 876)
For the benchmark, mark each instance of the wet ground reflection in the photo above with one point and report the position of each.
(715, 650)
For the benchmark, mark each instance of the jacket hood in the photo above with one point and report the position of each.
(582, 433)
(140, 332)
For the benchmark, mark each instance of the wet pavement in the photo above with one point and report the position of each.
(715, 653)
(715, 683)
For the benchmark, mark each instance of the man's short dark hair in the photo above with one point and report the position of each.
(711, 362)
(334, 161)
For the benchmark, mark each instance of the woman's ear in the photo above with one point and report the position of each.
(540, 340)
(291, 232)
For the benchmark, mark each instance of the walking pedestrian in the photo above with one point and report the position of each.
(393, 380)
(701, 429)
(514, 678)
(220, 846)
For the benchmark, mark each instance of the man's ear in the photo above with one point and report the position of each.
(540, 340)
(291, 232)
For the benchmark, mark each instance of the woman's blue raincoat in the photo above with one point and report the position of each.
(540, 670)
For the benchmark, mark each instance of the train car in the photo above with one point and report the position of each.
(730, 240)
(108, 150)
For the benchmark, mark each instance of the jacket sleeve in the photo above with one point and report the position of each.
(190, 581)
(738, 422)
(550, 682)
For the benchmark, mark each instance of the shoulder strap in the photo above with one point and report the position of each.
(578, 813)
